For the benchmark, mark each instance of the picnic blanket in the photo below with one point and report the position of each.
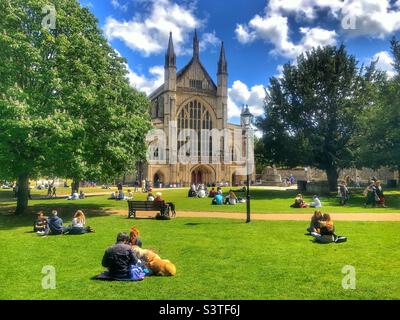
(136, 274)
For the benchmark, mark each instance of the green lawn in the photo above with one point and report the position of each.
(263, 201)
(215, 259)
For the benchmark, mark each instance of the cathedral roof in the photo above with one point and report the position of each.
(182, 72)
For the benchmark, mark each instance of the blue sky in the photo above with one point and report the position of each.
(259, 36)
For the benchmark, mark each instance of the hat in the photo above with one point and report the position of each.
(158, 194)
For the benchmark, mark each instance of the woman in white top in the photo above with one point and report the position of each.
(79, 220)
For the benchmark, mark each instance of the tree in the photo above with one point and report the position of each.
(66, 107)
(380, 136)
(310, 113)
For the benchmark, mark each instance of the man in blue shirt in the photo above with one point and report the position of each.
(56, 224)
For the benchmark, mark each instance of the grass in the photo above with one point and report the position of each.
(263, 201)
(215, 259)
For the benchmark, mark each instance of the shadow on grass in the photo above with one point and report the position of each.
(8, 220)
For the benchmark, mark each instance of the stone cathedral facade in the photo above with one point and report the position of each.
(192, 99)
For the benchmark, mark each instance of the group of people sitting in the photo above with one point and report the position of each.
(300, 203)
(127, 261)
(120, 195)
(201, 191)
(322, 229)
(54, 225)
(77, 196)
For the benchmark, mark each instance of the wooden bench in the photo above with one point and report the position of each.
(134, 206)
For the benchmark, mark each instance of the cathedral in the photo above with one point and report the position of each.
(192, 100)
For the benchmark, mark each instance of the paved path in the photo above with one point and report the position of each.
(276, 216)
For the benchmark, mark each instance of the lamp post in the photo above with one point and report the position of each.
(247, 118)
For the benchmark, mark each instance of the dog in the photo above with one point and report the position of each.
(158, 266)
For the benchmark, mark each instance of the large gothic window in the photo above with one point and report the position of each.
(194, 116)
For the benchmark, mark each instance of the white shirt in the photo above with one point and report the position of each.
(77, 224)
(317, 203)
(201, 194)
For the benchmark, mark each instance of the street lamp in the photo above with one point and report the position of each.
(247, 118)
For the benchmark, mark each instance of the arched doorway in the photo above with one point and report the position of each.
(202, 175)
(158, 180)
(234, 182)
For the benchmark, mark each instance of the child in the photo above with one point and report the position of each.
(41, 226)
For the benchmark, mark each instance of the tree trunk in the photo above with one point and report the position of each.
(332, 174)
(22, 194)
(75, 186)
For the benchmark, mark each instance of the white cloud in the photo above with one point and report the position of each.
(275, 29)
(147, 84)
(209, 40)
(117, 5)
(149, 34)
(385, 62)
(240, 94)
(374, 18)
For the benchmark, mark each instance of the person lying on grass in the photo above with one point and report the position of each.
(299, 202)
(41, 225)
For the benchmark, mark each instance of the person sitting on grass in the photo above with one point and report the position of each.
(212, 193)
(134, 239)
(327, 231)
(201, 193)
(379, 194)
(231, 198)
(129, 195)
(299, 202)
(219, 190)
(121, 196)
(316, 202)
(74, 196)
(81, 195)
(315, 222)
(56, 224)
(79, 224)
(119, 258)
(218, 199)
(41, 225)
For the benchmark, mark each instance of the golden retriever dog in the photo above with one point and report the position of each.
(160, 267)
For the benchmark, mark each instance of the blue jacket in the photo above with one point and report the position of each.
(56, 224)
